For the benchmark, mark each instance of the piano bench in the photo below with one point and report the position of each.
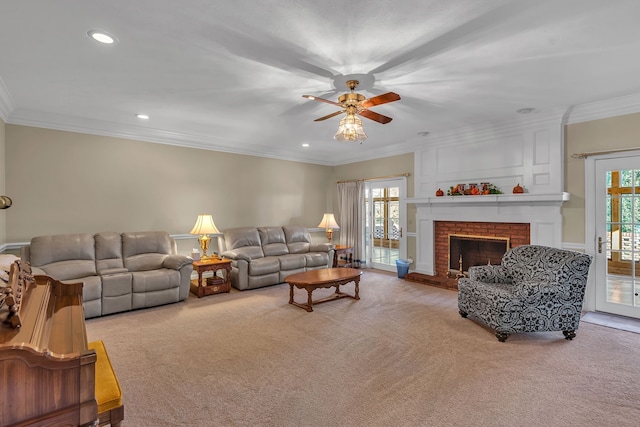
(108, 392)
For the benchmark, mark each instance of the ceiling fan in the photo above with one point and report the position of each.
(355, 104)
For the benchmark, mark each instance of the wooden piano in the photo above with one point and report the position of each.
(47, 373)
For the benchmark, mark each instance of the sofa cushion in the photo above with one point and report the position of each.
(292, 261)
(261, 266)
(145, 242)
(298, 239)
(155, 280)
(108, 250)
(273, 241)
(146, 250)
(240, 237)
(70, 270)
(59, 249)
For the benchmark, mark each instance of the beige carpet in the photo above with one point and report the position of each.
(401, 356)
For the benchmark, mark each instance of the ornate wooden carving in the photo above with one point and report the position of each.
(47, 373)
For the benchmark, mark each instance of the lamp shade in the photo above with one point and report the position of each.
(204, 225)
(328, 221)
(350, 129)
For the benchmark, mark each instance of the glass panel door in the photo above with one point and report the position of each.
(618, 236)
(384, 223)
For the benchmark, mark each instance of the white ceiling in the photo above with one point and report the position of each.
(230, 75)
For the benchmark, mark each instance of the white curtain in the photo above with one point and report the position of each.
(351, 208)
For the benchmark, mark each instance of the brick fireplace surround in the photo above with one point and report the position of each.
(518, 233)
(524, 218)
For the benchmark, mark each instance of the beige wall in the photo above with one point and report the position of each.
(387, 166)
(64, 182)
(596, 135)
(393, 165)
(3, 213)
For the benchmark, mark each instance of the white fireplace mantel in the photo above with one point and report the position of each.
(490, 199)
(541, 211)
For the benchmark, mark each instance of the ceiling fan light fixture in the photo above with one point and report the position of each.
(350, 129)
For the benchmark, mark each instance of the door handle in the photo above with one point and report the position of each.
(599, 245)
(400, 232)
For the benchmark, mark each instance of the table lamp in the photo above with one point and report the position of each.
(204, 226)
(329, 223)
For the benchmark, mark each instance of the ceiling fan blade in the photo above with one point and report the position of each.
(328, 116)
(375, 116)
(315, 98)
(380, 99)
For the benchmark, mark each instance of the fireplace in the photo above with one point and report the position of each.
(467, 250)
(507, 234)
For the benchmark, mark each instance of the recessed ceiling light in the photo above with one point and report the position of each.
(101, 36)
(305, 145)
(526, 110)
(142, 116)
(423, 133)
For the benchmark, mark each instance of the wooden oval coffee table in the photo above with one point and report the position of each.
(323, 278)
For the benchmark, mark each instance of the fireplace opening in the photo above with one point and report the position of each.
(467, 251)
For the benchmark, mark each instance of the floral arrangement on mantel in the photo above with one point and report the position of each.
(471, 190)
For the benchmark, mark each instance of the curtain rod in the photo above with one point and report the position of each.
(595, 153)
(377, 177)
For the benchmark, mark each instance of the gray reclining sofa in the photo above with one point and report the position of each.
(263, 256)
(119, 271)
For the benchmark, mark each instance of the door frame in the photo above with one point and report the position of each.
(590, 237)
(402, 205)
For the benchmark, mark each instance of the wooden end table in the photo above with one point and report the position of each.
(323, 278)
(215, 284)
(347, 251)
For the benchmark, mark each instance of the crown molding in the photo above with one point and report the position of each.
(628, 104)
(108, 129)
(560, 115)
(115, 130)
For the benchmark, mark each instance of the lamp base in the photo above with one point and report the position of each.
(329, 234)
(204, 244)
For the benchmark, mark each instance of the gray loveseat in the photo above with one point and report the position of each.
(119, 271)
(263, 256)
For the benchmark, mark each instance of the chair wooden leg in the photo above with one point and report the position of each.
(502, 336)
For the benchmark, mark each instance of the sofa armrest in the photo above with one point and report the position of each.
(490, 274)
(320, 247)
(37, 271)
(176, 262)
(540, 291)
(110, 271)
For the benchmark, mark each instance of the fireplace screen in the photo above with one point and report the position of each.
(466, 251)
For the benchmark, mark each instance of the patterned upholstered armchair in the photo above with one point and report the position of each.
(536, 288)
